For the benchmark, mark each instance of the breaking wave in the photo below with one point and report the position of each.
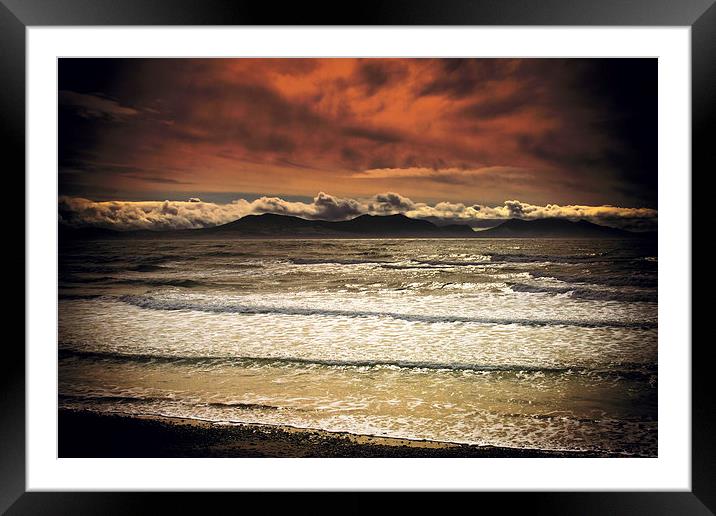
(151, 303)
(621, 370)
(587, 293)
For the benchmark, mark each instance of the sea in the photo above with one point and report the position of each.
(523, 343)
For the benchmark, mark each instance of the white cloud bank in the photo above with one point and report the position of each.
(193, 213)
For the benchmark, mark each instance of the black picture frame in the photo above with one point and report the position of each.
(17, 15)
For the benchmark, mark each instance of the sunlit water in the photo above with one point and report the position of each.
(523, 343)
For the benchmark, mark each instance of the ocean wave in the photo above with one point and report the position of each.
(109, 398)
(398, 262)
(552, 258)
(157, 282)
(629, 265)
(333, 261)
(624, 370)
(71, 297)
(146, 267)
(484, 260)
(237, 265)
(152, 303)
(73, 278)
(152, 282)
(110, 269)
(231, 254)
(586, 293)
(242, 405)
(595, 258)
(68, 269)
(608, 278)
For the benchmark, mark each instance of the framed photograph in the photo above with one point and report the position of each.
(421, 249)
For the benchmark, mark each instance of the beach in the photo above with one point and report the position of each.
(498, 344)
(89, 434)
(283, 258)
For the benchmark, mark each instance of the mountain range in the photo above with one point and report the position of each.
(270, 225)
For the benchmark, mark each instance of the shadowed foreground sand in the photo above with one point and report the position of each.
(87, 434)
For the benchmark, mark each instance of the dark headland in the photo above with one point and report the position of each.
(270, 225)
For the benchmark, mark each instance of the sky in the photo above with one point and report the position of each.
(168, 143)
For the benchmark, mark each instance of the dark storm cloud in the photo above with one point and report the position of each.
(374, 75)
(489, 109)
(159, 179)
(95, 106)
(473, 130)
(460, 78)
(254, 116)
(375, 135)
(628, 91)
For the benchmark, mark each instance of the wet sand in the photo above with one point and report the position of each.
(89, 434)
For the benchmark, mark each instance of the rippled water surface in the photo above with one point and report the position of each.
(523, 343)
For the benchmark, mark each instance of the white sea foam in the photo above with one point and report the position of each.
(530, 344)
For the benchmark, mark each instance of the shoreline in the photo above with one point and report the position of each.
(91, 434)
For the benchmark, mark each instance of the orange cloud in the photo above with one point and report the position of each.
(498, 128)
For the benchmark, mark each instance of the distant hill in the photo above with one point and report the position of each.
(267, 225)
(270, 225)
(552, 228)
